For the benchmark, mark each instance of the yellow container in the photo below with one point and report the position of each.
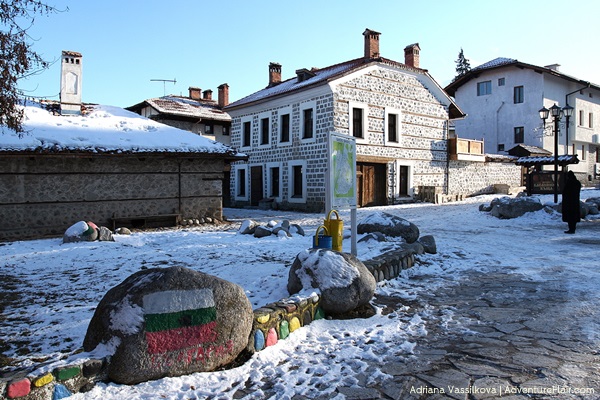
(335, 228)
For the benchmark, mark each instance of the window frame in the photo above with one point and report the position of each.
(292, 198)
(365, 120)
(518, 94)
(284, 111)
(488, 87)
(519, 130)
(386, 128)
(261, 126)
(310, 105)
(270, 167)
(243, 144)
(238, 183)
(501, 81)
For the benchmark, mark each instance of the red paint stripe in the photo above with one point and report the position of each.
(180, 338)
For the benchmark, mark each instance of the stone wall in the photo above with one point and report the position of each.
(45, 194)
(469, 178)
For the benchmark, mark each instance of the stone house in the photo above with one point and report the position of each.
(502, 99)
(78, 161)
(197, 112)
(396, 111)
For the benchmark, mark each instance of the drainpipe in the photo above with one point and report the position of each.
(179, 188)
(447, 188)
(567, 121)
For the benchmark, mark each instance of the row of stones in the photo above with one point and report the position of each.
(271, 323)
(58, 384)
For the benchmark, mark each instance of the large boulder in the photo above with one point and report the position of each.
(80, 232)
(343, 280)
(389, 225)
(508, 207)
(170, 322)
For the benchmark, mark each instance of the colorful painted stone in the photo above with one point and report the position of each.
(294, 324)
(271, 337)
(177, 319)
(307, 317)
(63, 374)
(43, 380)
(284, 329)
(18, 388)
(60, 392)
(259, 340)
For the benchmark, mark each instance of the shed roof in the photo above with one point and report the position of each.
(548, 160)
(103, 130)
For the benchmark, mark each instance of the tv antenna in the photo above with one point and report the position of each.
(164, 81)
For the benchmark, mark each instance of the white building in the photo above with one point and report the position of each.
(502, 99)
(396, 111)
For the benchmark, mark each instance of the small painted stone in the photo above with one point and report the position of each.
(271, 337)
(259, 340)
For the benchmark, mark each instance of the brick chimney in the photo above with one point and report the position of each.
(411, 55)
(195, 92)
(274, 74)
(223, 99)
(371, 44)
(207, 94)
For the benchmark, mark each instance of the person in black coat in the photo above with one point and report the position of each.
(571, 212)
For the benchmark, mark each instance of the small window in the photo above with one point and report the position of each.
(241, 183)
(285, 128)
(583, 152)
(590, 120)
(484, 88)
(247, 134)
(500, 147)
(297, 184)
(264, 131)
(392, 125)
(518, 95)
(208, 129)
(225, 130)
(501, 82)
(307, 123)
(598, 154)
(519, 134)
(581, 114)
(357, 123)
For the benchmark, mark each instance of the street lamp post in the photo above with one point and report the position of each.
(556, 113)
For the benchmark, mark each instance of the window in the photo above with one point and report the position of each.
(591, 120)
(580, 117)
(501, 82)
(357, 123)
(583, 152)
(518, 94)
(208, 129)
(484, 88)
(273, 181)
(246, 133)
(225, 130)
(297, 181)
(392, 127)
(307, 123)
(598, 154)
(501, 147)
(284, 128)
(519, 134)
(240, 184)
(264, 131)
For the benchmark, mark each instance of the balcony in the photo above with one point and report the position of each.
(465, 149)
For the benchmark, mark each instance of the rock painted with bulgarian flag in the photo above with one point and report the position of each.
(169, 322)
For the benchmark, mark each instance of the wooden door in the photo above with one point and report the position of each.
(371, 184)
(256, 185)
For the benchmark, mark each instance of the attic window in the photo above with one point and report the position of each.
(304, 74)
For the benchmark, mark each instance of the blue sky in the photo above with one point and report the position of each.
(201, 43)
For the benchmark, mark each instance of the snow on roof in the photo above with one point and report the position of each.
(184, 106)
(104, 129)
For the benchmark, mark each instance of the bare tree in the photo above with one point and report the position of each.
(17, 59)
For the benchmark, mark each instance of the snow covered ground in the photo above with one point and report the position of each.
(59, 285)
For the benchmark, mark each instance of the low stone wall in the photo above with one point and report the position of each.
(468, 178)
(271, 323)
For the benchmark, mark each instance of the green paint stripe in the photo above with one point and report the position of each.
(181, 319)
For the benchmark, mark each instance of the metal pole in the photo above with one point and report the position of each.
(555, 160)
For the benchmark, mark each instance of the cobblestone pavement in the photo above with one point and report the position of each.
(522, 339)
